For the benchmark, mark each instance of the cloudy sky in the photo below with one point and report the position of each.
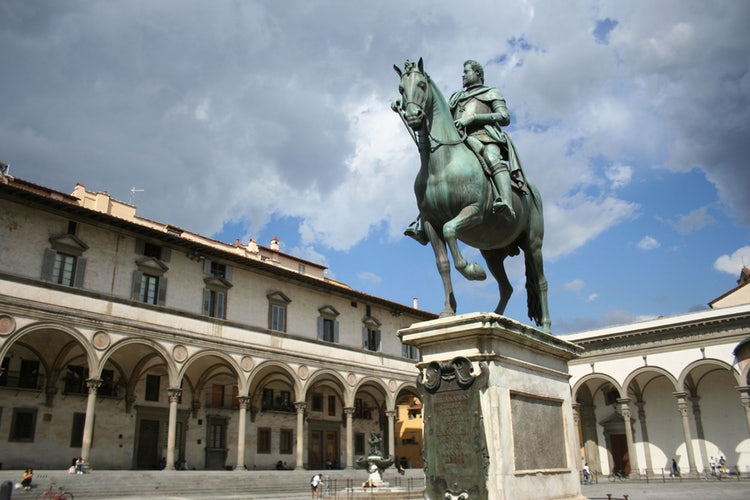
(250, 119)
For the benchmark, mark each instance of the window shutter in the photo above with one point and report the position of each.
(220, 305)
(135, 290)
(140, 247)
(378, 346)
(48, 264)
(404, 350)
(162, 299)
(206, 301)
(206, 266)
(336, 331)
(228, 273)
(321, 328)
(365, 339)
(166, 254)
(80, 272)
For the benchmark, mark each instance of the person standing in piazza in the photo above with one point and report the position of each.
(480, 111)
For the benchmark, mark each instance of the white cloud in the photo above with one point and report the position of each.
(574, 285)
(694, 221)
(732, 264)
(619, 175)
(369, 277)
(648, 243)
(593, 297)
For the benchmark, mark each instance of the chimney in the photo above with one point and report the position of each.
(415, 303)
(275, 244)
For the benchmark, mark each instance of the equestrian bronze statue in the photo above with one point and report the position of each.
(470, 185)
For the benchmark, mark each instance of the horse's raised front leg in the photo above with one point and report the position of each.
(444, 268)
(468, 217)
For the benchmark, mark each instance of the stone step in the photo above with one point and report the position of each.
(228, 484)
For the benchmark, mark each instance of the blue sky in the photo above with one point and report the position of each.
(256, 119)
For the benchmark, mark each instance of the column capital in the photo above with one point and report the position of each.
(744, 391)
(348, 411)
(300, 407)
(93, 384)
(390, 413)
(244, 401)
(175, 393)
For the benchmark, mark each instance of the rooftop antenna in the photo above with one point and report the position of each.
(132, 193)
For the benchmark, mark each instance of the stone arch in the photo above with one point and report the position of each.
(590, 378)
(640, 377)
(332, 378)
(204, 366)
(278, 374)
(696, 365)
(52, 351)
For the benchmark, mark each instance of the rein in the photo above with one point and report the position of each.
(434, 143)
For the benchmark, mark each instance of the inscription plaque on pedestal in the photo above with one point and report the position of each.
(456, 465)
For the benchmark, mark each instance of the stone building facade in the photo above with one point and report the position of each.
(668, 388)
(137, 344)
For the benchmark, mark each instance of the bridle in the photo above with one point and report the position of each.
(434, 143)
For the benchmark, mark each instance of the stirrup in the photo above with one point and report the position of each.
(419, 235)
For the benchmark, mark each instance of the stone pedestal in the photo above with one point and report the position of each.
(498, 420)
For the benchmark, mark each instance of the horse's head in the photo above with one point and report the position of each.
(415, 93)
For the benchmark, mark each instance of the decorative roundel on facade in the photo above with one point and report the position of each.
(303, 371)
(101, 340)
(392, 385)
(351, 378)
(7, 325)
(179, 353)
(247, 363)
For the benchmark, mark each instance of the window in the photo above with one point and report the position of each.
(76, 433)
(264, 440)
(4, 372)
(75, 379)
(317, 402)
(64, 263)
(217, 396)
(28, 378)
(409, 352)
(214, 303)
(216, 433)
(328, 325)
(285, 401)
(266, 402)
(359, 443)
(23, 425)
(332, 406)
(152, 387)
(277, 305)
(361, 409)
(218, 282)
(371, 334)
(149, 283)
(286, 441)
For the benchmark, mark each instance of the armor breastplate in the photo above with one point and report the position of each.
(476, 107)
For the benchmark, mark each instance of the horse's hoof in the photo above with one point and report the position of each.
(474, 272)
(447, 313)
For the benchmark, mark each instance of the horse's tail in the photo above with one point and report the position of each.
(535, 279)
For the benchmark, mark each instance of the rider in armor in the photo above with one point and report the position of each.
(480, 111)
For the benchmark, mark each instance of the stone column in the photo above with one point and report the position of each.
(244, 402)
(391, 416)
(745, 401)
(682, 407)
(579, 432)
(590, 438)
(700, 433)
(349, 412)
(174, 398)
(88, 426)
(632, 454)
(644, 433)
(300, 434)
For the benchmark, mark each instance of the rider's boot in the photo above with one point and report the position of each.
(414, 230)
(503, 203)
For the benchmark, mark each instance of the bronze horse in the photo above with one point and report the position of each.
(454, 197)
